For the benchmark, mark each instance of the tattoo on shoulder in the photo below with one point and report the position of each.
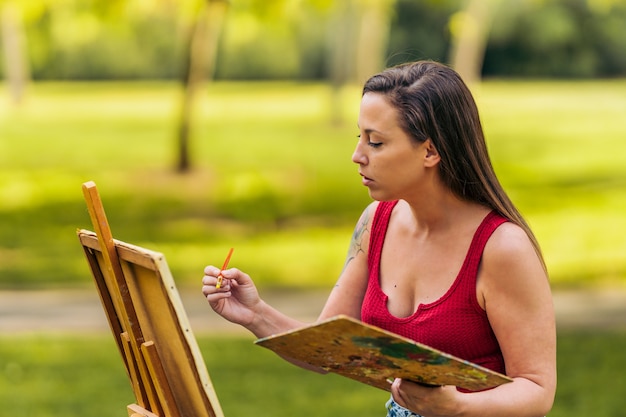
(357, 242)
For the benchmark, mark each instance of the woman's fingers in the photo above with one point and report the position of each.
(211, 270)
(210, 281)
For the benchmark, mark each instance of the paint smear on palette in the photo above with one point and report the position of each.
(405, 351)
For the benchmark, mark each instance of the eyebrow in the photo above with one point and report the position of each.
(369, 131)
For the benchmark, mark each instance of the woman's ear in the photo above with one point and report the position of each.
(432, 157)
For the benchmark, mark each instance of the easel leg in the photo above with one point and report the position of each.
(136, 411)
(158, 377)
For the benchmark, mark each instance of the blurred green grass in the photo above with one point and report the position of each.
(273, 177)
(52, 375)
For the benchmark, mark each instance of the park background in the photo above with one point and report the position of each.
(210, 124)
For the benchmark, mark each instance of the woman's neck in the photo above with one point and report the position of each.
(442, 212)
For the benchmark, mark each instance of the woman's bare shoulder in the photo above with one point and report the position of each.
(360, 236)
(510, 253)
(508, 239)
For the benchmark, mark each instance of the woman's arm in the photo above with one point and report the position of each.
(347, 294)
(518, 301)
(238, 300)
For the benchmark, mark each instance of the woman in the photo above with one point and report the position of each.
(442, 256)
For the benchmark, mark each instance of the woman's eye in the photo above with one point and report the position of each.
(370, 143)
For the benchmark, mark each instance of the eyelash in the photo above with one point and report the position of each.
(372, 144)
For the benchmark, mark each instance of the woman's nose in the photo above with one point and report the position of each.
(358, 157)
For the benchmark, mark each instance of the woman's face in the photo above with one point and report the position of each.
(390, 162)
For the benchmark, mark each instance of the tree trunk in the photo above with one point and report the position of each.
(470, 30)
(200, 58)
(13, 43)
(357, 44)
(373, 35)
(340, 41)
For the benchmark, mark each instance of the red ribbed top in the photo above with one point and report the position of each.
(455, 323)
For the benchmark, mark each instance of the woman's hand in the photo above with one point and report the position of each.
(237, 300)
(424, 400)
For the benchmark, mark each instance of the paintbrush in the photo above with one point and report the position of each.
(220, 277)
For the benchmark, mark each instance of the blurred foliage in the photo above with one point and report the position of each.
(420, 30)
(558, 38)
(96, 39)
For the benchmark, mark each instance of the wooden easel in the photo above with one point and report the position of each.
(146, 315)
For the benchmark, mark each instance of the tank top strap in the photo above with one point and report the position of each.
(489, 224)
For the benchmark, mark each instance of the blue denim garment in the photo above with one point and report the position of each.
(396, 410)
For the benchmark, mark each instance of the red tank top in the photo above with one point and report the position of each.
(455, 323)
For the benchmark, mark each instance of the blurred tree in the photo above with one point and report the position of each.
(610, 44)
(203, 39)
(13, 44)
(99, 39)
(470, 30)
(323, 39)
(373, 37)
(357, 43)
(551, 26)
(558, 38)
(420, 30)
(341, 56)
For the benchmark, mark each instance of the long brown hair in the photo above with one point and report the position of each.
(434, 103)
